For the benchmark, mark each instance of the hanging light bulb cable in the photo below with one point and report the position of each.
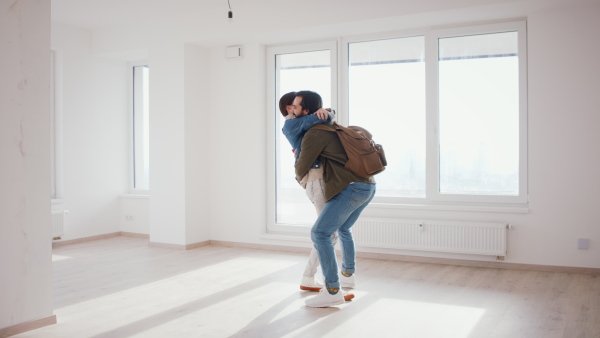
(230, 15)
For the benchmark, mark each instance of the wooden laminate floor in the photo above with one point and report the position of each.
(121, 287)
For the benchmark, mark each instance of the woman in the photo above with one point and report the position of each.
(294, 129)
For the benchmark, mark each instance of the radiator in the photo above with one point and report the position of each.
(58, 219)
(441, 236)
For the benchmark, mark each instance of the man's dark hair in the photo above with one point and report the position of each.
(286, 100)
(310, 101)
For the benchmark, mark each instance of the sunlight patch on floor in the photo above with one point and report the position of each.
(403, 318)
(190, 298)
(256, 309)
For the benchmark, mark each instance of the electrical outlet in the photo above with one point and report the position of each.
(583, 243)
(128, 218)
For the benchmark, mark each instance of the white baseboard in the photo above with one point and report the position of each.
(84, 239)
(179, 246)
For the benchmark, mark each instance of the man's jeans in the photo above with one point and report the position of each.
(339, 214)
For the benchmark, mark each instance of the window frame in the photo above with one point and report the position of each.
(273, 114)
(56, 116)
(432, 96)
(131, 129)
(344, 118)
(433, 199)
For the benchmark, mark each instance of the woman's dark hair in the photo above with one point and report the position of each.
(286, 100)
(310, 100)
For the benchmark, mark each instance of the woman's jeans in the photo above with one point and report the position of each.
(339, 214)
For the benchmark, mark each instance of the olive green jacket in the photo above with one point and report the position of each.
(326, 146)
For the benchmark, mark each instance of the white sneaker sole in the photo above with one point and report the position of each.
(310, 288)
(326, 305)
(347, 296)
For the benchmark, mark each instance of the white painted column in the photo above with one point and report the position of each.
(198, 162)
(25, 232)
(167, 145)
(179, 137)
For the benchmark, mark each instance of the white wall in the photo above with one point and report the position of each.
(95, 138)
(25, 234)
(135, 214)
(563, 165)
(564, 81)
(563, 146)
(238, 145)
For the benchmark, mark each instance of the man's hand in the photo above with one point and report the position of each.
(322, 114)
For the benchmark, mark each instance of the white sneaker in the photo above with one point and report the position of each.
(347, 282)
(325, 299)
(347, 295)
(310, 284)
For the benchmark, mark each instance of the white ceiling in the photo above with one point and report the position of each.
(98, 14)
(275, 21)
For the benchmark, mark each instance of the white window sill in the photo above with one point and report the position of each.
(133, 196)
(468, 208)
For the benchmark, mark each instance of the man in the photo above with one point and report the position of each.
(346, 195)
(294, 129)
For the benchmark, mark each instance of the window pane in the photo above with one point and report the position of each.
(141, 127)
(387, 97)
(479, 114)
(53, 125)
(297, 71)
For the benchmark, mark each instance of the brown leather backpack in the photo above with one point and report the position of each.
(365, 157)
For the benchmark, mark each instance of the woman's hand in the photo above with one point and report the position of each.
(322, 114)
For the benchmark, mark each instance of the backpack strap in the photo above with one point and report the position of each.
(332, 129)
(324, 127)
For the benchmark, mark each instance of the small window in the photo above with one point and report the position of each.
(56, 186)
(141, 128)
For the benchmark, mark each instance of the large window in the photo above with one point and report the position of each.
(478, 113)
(477, 99)
(449, 107)
(141, 128)
(386, 94)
